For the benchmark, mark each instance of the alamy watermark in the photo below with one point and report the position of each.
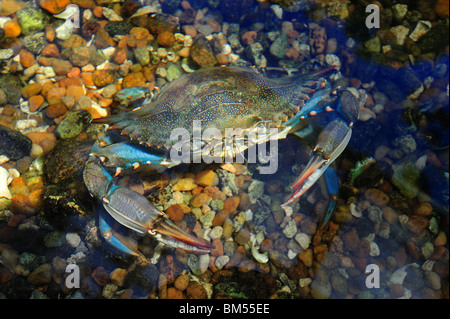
(210, 146)
(373, 276)
(73, 279)
(373, 19)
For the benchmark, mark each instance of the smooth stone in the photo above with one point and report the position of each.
(303, 240)
(290, 230)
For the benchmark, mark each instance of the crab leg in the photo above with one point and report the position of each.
(134, 211)
(331, 142)
(123, 156)
(332, 184)
(125, 245)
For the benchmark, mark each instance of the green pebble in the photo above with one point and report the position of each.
(173, 72)
(406, 179)
(73, 124)
(216, 204)
(142, 55)
(194, 264)
(32, 20)
(279, 46)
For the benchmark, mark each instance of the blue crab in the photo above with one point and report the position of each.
(221, 98)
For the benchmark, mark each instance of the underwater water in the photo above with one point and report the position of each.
(63, 65)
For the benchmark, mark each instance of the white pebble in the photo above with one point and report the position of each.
(288, 210)
(226, 49)
(401, 32)
(277, 10)
(22, 125)
(248, 215)
(216, 232)
(304, 282)
(421, 162)
(398, 276)
(48, 71)
(111, 15)
(333, 59)
(290, 230)
(65, 30)
(421, 29)
(222, 261)
(3, 159)
(291, 254)
(4, 181)
(260, 257)
(303, 240)
(203, 261)
(108, 52)
(73, 240)
(3, 20)
(374, 249)
(356, 213)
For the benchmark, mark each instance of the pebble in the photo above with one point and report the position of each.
(375, 214)
(303, 240)
(54, 6)
(306, 257)
(207, 219)
(398, 276)
(231, 204)
(427, 250)
(221, 261)
(238, 221)
(339, 285)
(320, 285)
(390, 215)
(54, 239)
(176, 212)
(196, 291)
(216, 232)
(406, 143)
(182, 282)
(228, 228)
(374, 249)
(111, 15)
(207, 178)
(200, 199)
(396, 291)
(185, 185)
(441, 239)
(42, 275)
(117, 276)
(399, 11)
(424, 209)
(109, 291)
(400, 32)
(432, 280)
(13, 144)
(376, 197)
(73, 240)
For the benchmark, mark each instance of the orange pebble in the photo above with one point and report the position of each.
(36, 198)
(26, 58)
(87, 78)
(97, 11)
(17, 181)
(35, 102)
(22, 205)
(74, 73)
(12, 29)
(50, 33)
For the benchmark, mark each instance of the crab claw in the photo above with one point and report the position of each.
(331, 142)
(134, 211)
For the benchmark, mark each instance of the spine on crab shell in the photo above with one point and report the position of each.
(102, 120)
